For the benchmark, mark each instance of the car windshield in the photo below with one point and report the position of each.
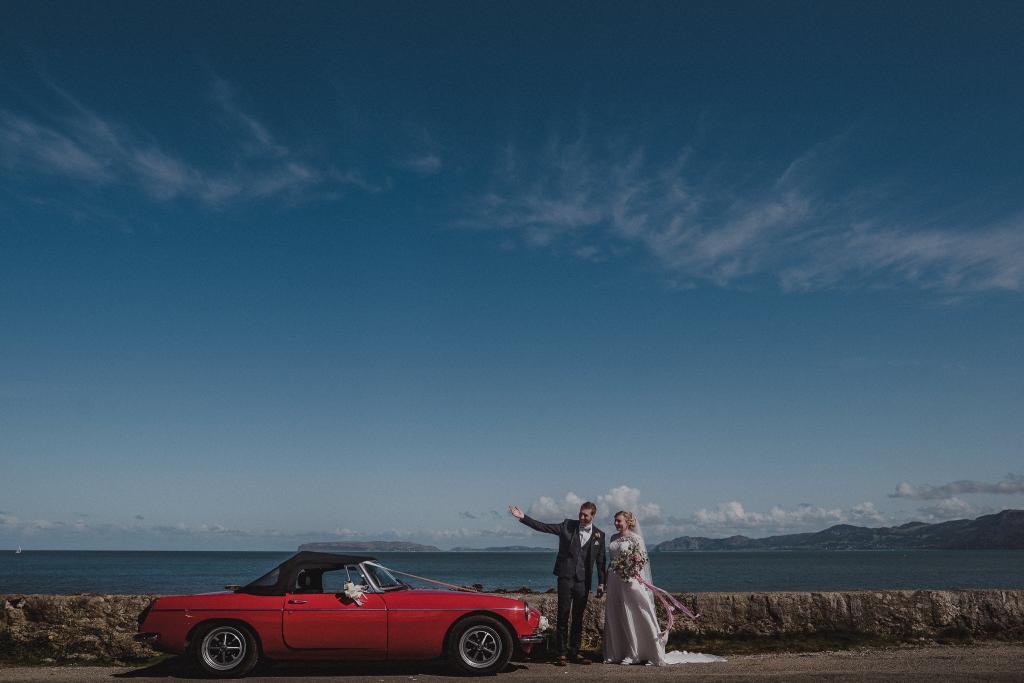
(384, 579)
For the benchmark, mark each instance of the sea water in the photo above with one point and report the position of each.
(171, 572)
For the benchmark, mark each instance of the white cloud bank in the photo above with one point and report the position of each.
(732, 516)
(948, 502)
(727, 518)
(493, 527)
(951, 508)
(615, 499)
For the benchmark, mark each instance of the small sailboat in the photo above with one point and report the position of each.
(18, 551)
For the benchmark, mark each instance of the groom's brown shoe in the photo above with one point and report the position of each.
(560, 661)
(580, 659)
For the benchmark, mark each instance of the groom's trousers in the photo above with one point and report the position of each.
(572, 599)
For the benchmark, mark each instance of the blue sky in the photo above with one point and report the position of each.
(337, 271)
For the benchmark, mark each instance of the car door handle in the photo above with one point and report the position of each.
(296, 602)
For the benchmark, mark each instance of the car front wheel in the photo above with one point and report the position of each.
(480, 646)
(224, 650)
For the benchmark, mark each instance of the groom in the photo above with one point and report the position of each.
(580, 547)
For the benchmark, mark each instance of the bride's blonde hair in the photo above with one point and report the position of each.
(629, 517)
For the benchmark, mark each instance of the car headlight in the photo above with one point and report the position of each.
(526, 610)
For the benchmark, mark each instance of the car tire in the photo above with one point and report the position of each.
(479, 646)
(224, 650)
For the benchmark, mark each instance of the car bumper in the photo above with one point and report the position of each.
(526, 643)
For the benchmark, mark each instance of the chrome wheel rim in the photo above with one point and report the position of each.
(480, 647)
(223, 648)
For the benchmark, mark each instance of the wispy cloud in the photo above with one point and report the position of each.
(76, 143)
(959, 259)
(711, 225)
(482, 516)
(357, 179)
(45, 524)
(260, 142)
(1012, 484)
(426, 164)
(202, 529)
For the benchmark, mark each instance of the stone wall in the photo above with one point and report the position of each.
(848, 616)
(72, 628)
(99, 628)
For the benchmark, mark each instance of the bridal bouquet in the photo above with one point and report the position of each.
(630, 561)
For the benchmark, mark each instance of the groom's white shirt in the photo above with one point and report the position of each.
(585, 534)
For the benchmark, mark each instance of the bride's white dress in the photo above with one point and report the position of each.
(630, 623)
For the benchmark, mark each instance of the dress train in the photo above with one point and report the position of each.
(631, 631)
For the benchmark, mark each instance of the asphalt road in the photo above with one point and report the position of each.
(973, 663)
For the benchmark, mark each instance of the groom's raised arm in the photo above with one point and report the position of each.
(534, 524)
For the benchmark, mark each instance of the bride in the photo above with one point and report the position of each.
(631, 632)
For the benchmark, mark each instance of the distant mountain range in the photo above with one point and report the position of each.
(504, 549)
(1001, 531)
(369, 546)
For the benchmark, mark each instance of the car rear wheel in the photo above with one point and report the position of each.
(480, 646)
(224, 650)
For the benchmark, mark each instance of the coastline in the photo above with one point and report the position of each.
(91, 629)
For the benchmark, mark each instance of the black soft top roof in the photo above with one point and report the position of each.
(278, 580)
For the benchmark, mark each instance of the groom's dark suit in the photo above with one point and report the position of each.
(574, 569)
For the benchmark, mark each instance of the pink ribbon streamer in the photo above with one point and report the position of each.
(670, 604)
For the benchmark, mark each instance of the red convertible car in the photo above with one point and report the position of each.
(341, 607)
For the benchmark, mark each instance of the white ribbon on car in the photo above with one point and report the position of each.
(423, 578)
(353, 592)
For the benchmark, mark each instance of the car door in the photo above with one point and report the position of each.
(330, 621)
